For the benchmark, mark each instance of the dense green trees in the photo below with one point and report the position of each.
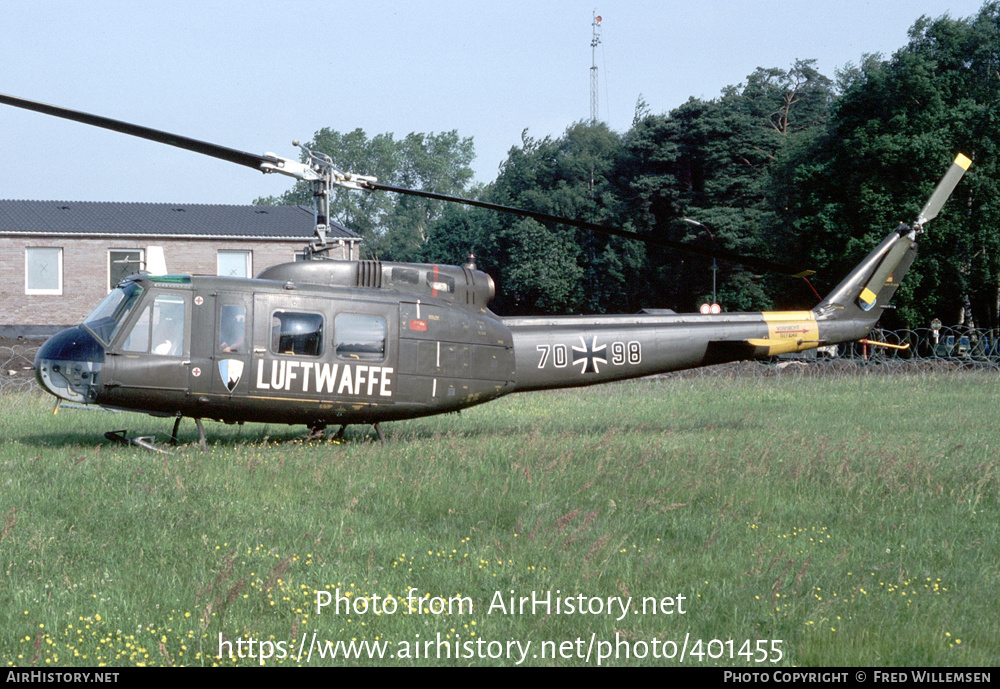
(712, 161)
(893, 131)
(787, 165)
(557, 269)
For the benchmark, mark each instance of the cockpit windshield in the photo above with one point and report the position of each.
(106, 320)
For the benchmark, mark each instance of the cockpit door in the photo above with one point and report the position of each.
(232, 343)
(148, 361)
(220, 343)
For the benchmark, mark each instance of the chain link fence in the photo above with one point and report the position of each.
(913, 351)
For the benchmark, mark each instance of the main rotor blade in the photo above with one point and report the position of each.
(232, 155)
(749, 261)
(944, 189)
(267, 163)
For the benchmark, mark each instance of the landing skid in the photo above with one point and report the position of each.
(319, 431)
(201, 432)
(145, 441)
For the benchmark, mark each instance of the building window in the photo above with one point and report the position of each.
(234, 264)
(122, 263)
(43, 270)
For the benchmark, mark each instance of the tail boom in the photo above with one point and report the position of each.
(555, 352)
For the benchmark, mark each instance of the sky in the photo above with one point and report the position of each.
(254, 75)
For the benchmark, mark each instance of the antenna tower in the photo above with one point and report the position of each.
(594, 42)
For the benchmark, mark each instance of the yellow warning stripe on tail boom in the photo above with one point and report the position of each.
(788, 331)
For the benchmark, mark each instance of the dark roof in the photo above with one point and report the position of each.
(113, 219)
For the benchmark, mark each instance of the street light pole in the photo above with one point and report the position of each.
(689, 221)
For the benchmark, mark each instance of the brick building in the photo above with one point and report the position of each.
(59, 258)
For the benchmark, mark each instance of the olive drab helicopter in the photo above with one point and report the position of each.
(336, 342)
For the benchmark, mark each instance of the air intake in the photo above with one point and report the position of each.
(370, 274)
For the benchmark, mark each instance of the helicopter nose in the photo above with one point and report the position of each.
(69, 365)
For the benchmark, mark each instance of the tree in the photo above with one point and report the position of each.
(543, 269)
(891, 135)
(712, 161)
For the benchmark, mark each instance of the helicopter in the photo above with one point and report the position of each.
(327, 342)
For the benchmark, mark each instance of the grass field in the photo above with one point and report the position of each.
(752, 522)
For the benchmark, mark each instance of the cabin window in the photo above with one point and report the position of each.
(43, 270)
(297, 333)
(122, 263)
(160, 328)
(138, 339)
(440, 283)
(232, 328)
(234, 264)
(359, 337)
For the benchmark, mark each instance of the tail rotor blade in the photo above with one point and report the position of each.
(944, 189)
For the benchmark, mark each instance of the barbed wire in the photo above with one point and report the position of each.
(17, 370)
(915, 351)
(919, 351)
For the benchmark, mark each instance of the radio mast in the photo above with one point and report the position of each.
(594, 42)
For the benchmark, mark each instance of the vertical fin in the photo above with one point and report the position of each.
(873, 282)
(869, 293)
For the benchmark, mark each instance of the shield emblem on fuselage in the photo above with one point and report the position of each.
(231, 370)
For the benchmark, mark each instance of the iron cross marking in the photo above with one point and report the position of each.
(589, 355)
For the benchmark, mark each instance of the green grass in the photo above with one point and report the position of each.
(854, 520)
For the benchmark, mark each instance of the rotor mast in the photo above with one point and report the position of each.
(323, 175)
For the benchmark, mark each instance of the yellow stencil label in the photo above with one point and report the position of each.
(789, 331)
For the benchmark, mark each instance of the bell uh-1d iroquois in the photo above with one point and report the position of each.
(360, 342)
